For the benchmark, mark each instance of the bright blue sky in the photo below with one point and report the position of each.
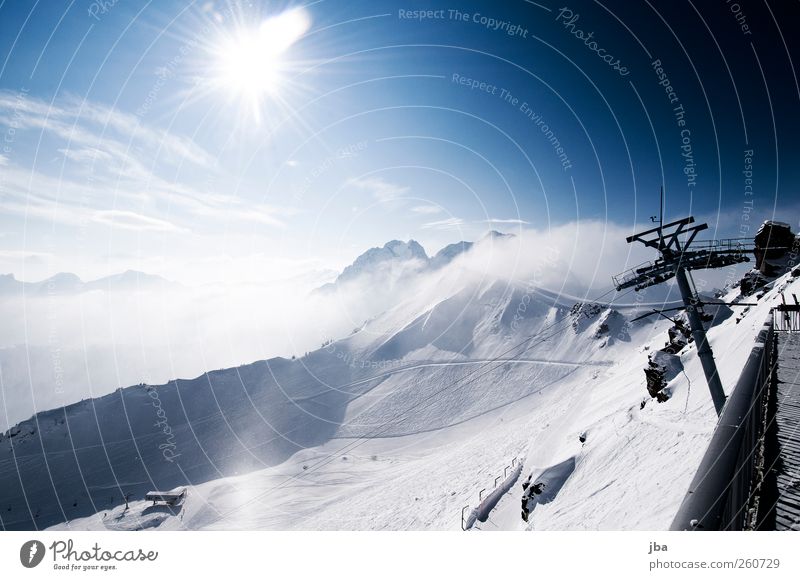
(121, 149)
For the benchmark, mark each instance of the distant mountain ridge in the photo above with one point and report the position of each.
(68, 283)
(372, 259)
(409, 255)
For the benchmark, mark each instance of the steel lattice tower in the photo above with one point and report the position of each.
(679, 253)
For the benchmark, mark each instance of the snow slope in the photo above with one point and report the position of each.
(398, 426)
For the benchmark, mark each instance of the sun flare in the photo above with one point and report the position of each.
(250, 62)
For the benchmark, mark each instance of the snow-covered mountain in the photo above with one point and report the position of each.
(397, 259)
(398, 425)
(449, 253)
(375, 258)
(385, 261)
(239, 420)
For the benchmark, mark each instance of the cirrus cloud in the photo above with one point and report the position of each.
(134, 221)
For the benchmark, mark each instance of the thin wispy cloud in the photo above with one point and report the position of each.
(379, 188)
(114, 169)
(459, 223)
(79, 120)
(133, 221)
(235, 211)
(446, 224)
(427, 209)
(511, 221)
(85, 154)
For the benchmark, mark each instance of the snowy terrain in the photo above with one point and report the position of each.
(63, 339)
(400, 425)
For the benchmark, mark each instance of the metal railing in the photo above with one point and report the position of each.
(743, 245)
(723, 494)
(630, 274)
(787, 318)
(482, 511)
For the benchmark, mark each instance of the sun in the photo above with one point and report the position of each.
(248, 65)
(250, 61)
